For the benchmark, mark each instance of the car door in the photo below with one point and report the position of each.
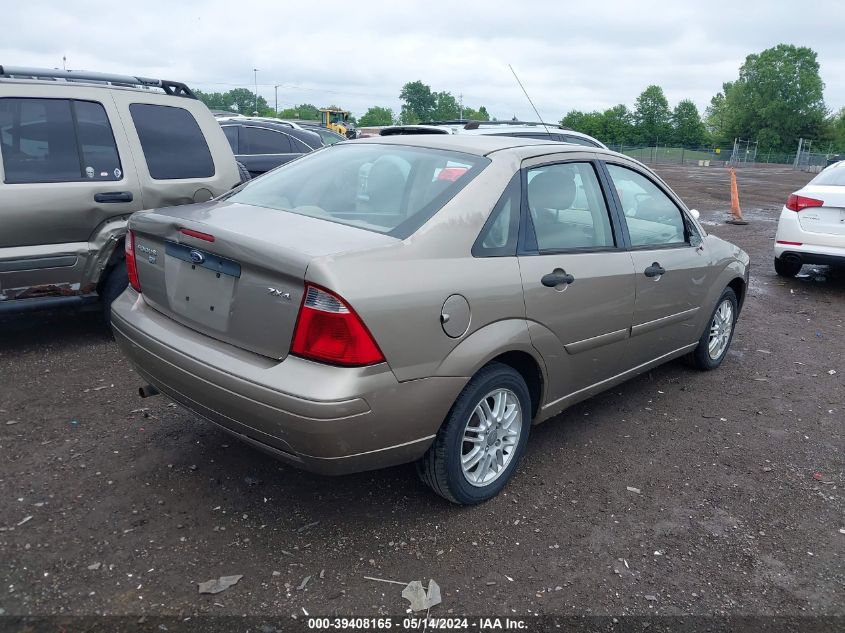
(672, 270)
(578, 279)
(66, 170)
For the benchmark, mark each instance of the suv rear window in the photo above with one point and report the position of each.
(174, 146)
(56, 140)
(390, 189)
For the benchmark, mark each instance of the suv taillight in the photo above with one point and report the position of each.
(796, 202)
(131, 266)
(329, 331)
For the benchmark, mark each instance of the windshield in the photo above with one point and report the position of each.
(833, 175)
(390, 189)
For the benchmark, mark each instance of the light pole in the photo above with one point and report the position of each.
(276, 88)
(255, 77)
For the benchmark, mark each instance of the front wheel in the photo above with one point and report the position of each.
(482, 439)
(714, 343)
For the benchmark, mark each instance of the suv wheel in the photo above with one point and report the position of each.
(483, 438)
(714, 343)
(787, 267)
(112, 288)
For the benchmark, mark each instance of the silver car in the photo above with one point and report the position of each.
(422, 298)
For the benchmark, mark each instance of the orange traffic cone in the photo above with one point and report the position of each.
(736, 212)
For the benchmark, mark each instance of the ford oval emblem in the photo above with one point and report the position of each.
(197, 257)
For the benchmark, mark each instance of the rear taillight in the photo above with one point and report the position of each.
(131, 266)
(329, 331)
(796, 202)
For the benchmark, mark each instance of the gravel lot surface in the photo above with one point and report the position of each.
(112, 504)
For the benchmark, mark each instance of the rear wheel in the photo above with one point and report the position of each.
(483, 438)
(714, 343)
(112, 288)
(787, 267)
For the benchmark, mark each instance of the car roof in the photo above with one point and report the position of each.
(482, 144)
(279, 126)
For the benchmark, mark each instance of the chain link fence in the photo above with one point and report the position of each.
(706, 156)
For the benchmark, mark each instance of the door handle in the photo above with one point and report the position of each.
(655, 270)
(113, 196)
(557, 278)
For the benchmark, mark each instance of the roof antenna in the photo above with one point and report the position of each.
(529, 98)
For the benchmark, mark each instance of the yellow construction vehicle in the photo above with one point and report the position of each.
(337, 121)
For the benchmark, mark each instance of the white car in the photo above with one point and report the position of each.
(811, 229)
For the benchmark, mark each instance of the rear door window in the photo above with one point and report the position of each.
(173, 143)
(567, 208)
(256, 140)
(56, 140)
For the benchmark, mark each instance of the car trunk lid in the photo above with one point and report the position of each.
(828, 219)
(236, 272)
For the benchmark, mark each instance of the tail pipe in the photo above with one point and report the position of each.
(147, 391)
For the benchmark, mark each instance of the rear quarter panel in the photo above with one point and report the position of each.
(399, 290)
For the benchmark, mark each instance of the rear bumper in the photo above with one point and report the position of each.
(809, 247)
(810, 256)
(330, 420)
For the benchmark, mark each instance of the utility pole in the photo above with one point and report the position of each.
(255, 77)
(64, 62)
(461, 101)
(276, 88)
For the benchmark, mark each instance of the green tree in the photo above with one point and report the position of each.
(446, 107)
(238, 100)
(837, 125)
(777, 98)
(653, 117)
(616, 126)
(419, 102)
(716, 117)
(376, 115)
(688, 130)
(586, 122)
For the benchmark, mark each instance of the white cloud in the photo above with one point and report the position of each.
(569, 55)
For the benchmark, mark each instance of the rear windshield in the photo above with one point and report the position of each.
(389, 189)
(833, 175)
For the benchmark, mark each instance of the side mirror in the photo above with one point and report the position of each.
(694, 213)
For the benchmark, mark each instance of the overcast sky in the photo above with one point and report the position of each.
(582, 55)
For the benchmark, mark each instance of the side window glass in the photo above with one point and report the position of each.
(567, 208)
(173, 143)
(299, 146)
(56, 140)
(499, 235)
(231, 132)
(260, 141)
(99, 152)
(651, 216)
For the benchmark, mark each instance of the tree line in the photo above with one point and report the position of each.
(776, 99)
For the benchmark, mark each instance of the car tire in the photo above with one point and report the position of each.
(464, 431)
(716, 340)
(243, 172)
(787, 268)
(113, 287)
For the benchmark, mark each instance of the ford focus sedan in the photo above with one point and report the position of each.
(422, 299)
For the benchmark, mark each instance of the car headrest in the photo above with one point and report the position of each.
(551, 189)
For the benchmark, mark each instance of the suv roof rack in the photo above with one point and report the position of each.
(474, 125)
(173, 88)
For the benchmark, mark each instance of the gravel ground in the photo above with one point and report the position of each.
(115, 505)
